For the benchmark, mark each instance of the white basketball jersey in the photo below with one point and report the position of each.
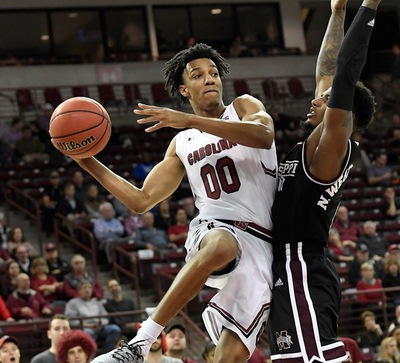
(228, 180)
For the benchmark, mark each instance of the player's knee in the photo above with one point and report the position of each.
(219, 250)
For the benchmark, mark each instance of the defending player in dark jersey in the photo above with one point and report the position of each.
(306, 295)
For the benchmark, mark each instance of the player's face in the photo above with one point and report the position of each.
(9, 353)
(202, 84)
(317, 111)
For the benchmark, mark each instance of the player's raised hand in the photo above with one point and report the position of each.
(162, 117)
(338, 4)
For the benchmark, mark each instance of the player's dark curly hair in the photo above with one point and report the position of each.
(364, 106)
(174, 68)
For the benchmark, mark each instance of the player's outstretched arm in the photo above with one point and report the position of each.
(161, 182)
(326, 62)
(255, 130)
(337, 125)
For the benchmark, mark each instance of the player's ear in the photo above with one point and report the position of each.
(183, 90)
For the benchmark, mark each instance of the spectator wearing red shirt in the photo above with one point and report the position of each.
(337, 250)
(46, 284)
(348, 230)
(369, 282)
(26, 303)
(5, 314)
(178, 232)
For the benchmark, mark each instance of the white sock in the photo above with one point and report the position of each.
(147, 334)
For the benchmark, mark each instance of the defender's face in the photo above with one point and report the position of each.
(317, 109)
(202, 83)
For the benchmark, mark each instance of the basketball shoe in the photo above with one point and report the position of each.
(125, 353)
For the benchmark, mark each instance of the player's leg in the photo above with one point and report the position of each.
(230, 349)
(217, 249)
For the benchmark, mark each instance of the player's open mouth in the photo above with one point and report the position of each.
(311, 113)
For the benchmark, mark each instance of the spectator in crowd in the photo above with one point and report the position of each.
(91, 307)
(11, 133)
(372, 334)
(391, 278)
(379, 173)
(57, 266)
(16, 238)
(370, 300)
(190, 208)
(396, 322)
(348, 230)
(5, 314)
(23, 259)
(140, 170)
(4, 256)
(132, 222)
(120, 208)
(388, 351)
(58, 326)
(392, 136)
(77, 274)
(163, 217)
(150, 237)
(393, 251)
(337, 250)
(391, 204)
(76, 346)
(117, 303)
(352, 349)
(46, 284)
(396, 334)
(29, 148)
(108, 230)
(176, 342)
(178, 232)
(9, 279)
(93, 201)
(376, 244)
(51, 194)
(69, 205)
(157, 350)
(26, 303)
(9, 350)
(78, 180)
(6, 153)
(4, 230)
(44, 119)
(208, 352)
(238, 48)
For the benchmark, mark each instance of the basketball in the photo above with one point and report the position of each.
(80, 127)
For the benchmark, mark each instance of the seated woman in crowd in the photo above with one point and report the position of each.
(8, 281)
(16, 238)
(46, 284)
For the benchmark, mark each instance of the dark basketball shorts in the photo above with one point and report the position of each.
(303, 320)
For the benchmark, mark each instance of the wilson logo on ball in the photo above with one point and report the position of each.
(72, 145)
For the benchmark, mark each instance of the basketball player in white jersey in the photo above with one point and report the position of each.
(228, 153)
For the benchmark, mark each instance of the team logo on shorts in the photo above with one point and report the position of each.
(283, 340)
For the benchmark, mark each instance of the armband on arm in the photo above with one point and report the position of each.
(351, 59)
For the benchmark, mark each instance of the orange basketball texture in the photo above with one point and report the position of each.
(80, 127)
